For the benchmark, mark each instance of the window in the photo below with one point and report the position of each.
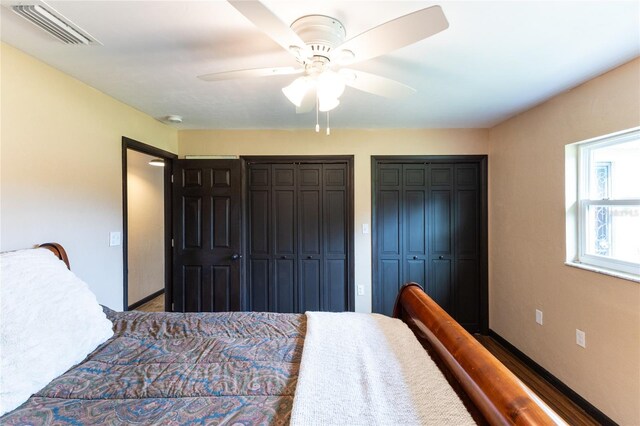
(608, 202)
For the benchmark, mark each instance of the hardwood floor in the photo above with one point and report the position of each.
(569, 411)
(154, 305)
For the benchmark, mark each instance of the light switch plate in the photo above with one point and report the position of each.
(581, 338)
(114, 238)
(539, 316)
(365, 228)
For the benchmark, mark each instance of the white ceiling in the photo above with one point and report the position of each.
(496, 59)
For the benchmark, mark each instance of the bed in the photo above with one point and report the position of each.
(246, 368)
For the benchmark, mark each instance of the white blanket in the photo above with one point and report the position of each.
(49, 321)
(368, 369)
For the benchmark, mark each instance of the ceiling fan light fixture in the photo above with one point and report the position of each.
(330, 84)
(295, 91)
(344, 56)
(327, 104)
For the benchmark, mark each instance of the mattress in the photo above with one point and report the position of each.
(173, 368)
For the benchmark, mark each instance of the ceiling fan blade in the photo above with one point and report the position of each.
(250, 73)
(395, 34)
(269, 24)
(308, 102)
(376, 84)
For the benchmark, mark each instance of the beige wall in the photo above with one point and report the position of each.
(61, 176)
(362, 144)
(527, 248)
(145, 226)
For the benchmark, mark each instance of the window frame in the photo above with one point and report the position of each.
(584, 202)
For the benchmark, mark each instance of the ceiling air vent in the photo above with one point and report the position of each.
(53, 23)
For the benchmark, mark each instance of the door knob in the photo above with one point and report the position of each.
(440, 257)
(415, 257)
(309, 257)
(236, 256)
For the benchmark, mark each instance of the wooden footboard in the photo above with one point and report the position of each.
(498, 395)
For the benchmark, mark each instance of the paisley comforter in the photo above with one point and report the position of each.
(171, 368)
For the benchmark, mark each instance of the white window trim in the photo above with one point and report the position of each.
(584, 201)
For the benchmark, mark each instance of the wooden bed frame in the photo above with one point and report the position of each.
(491, 393)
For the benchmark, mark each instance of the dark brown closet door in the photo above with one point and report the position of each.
(415, 223)
(283, 289)
(467, 267)
(310, 229)
(440, 285)
(207, 239)
(335, 234)
(298, 236)
(427, 229)
(389, 233)
(259, 227)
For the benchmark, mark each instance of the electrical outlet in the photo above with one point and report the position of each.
(360, 290)
(581, 338)
(539, 316)
(114, 238)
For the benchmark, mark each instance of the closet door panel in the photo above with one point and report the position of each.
(310, 240)
(336, 285)
(415, 271)
(389, 222)
(389, 229)
(389, 277)
(335, 248)
(439, 286)
(414, 208)
(259, 207)
(284, 221)
(441, 225)
(259, 228)
(310, 225)
(467, 293)
(310, 291)
(283, 290)
(467, 246)
(259, 273)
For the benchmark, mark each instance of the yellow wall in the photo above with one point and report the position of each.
(362, 144)
(527, 248)
(61, 175)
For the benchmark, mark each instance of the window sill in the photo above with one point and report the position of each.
(604, 271)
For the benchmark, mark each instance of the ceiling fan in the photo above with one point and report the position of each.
(319, 46)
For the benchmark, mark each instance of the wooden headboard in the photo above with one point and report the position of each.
(496, 394)
(58, 250)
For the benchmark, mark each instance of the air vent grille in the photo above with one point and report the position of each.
(53, 23)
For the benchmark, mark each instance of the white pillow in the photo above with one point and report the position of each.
(49, 321)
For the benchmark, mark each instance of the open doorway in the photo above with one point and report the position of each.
(147, 237)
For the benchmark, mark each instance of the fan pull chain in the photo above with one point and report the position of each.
(317, 115)
(328, 128)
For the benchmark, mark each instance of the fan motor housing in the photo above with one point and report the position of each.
(320, 33)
